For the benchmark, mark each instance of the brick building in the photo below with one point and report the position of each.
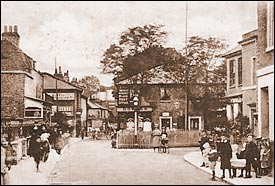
(265, 69)
(241, 79)
(22, 101)
(161, 101)
(69, 100)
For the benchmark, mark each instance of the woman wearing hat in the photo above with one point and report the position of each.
(35, 147)
(265, 157)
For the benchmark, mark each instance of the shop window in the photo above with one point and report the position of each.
(33, 112)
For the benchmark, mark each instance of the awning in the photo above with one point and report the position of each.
(33, 103)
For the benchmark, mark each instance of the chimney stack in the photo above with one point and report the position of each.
(66, 76)
(15, 28)
(11, 35)
(5, 28)
(55, 71)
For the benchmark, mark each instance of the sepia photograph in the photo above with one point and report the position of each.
(137, 92)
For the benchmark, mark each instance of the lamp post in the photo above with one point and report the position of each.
(135, 101)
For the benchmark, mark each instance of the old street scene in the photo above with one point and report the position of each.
(137, 93)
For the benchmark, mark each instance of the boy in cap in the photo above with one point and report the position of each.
(213, 157)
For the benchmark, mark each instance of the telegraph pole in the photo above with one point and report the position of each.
(186, 80)
(56, 96)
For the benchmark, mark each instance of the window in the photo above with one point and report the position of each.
(163, 94)
(194, 123)
(240, 71)
(253, 71)
(270, 25)
(232, 72)
(33, 112)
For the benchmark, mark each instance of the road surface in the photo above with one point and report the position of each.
(95, 162)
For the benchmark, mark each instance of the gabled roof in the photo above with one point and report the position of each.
(12, 54)
(50, 83)
(236, 49)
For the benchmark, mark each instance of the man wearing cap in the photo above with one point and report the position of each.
(252, 154)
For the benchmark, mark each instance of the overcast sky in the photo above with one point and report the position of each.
(78, 33)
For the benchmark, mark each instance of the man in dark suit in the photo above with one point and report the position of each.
(225, 152)
(251, 155)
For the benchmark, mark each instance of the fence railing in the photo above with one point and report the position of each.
(177, 138)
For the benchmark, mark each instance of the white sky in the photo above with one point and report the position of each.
(78, 33)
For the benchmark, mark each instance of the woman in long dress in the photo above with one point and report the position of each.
(156, 138)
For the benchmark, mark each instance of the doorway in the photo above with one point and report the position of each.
(165, 122)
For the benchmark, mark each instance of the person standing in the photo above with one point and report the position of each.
(59, 142)
(4, 168)
(265, 157)
(204, 139)
(251, 155)
(156, 138)
(212, 158)
(164, 139)
(82, 133)
(225, 152)
(45, 144)
(35, 147)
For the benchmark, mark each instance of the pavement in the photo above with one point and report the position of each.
(195, 159)
(24, 173)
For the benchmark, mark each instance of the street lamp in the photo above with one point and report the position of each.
(135, 101)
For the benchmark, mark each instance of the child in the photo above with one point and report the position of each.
(213, 157)
(205, 152)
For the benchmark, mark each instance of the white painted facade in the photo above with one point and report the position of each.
(266, 80)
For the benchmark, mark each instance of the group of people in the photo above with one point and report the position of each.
(243, 155)
(160, 139)
(41, 141)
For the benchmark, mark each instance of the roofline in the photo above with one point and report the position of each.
(47, 73)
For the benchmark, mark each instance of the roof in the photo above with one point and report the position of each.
(14, 58)
(50, 83)
(96, 106)
(232, 51)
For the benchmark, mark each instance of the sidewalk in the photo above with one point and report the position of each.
(24, 173)
(195, 159)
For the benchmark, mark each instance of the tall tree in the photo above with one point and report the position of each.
(89, 84)
(130, 56)
(197, 63)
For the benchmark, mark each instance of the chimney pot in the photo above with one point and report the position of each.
(15, 28)
(59, 69)
(10, 28)
(5, 28)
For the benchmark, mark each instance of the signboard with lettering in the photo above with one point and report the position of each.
(68, 110)
(62, 96)
(123, 96)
